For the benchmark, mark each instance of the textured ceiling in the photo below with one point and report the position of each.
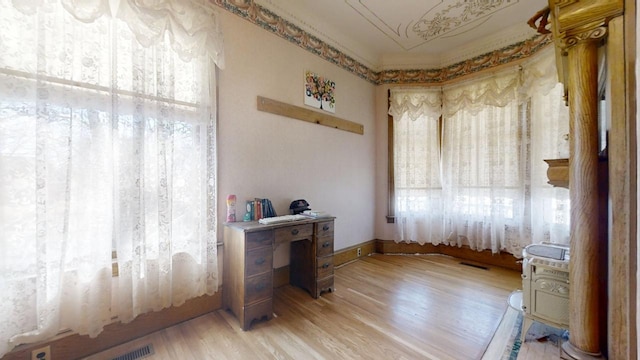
(408, 33)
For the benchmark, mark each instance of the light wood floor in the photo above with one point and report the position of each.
(383, 307)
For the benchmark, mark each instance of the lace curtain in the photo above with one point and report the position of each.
(413, 103)
(487, 187)
(483, 169)
(417, 182)
(476, 95)
(107, 156)
(549, 216)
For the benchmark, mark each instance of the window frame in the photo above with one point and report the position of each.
(391, 190)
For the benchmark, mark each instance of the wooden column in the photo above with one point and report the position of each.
(584, 304)
(578, 26)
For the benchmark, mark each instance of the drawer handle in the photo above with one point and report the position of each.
(325, 227)
(325, 265)
(294, 232)
(260, 287)
(326, 244)
(260, 261)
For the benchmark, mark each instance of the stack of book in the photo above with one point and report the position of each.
(260, 208)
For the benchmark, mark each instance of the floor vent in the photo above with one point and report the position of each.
(475, 266)
(137, 353)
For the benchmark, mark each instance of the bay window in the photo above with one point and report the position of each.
(468, 163)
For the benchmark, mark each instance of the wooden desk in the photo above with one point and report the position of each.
(248, 263)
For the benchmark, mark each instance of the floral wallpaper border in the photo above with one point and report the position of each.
(270, 21)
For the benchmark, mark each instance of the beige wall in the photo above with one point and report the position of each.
(270, 156)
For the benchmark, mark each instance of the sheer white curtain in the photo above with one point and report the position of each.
(418, 185)
(549, 215)
(481, 181)
(483, 164)
(107, 154)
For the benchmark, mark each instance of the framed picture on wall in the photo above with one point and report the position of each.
(319, 92)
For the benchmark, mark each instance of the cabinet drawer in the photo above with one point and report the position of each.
(258, 288)
(324, 246)
(295, 232)
(259, 261)
(259, 239)
(325, 228)
(325, 267)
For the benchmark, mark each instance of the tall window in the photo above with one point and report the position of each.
(107, 149)
(478, 178)
(418, 191)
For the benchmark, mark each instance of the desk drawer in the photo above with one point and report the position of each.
(295, 232)
(325, 267)
(258, 288)
(324, 246)
(259, 261)
(325, 228)
(259, 239)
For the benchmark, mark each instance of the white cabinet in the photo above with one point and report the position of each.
(545, 286)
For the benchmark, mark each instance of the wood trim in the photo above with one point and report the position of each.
(558, 172)
(574, 16)
(502, 259)
(631, 96)
(77, 346)
(349, 254)
(391, 177)
(623, 189)
(300, 113)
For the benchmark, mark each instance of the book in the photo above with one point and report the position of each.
(257, 215)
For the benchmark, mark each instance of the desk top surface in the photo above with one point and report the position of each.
(250, 226)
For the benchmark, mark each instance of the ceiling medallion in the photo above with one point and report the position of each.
(457, 15)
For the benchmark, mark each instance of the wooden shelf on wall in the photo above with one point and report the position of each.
(300, 113)
(558, 172)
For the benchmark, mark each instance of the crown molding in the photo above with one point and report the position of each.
(357, 51)
(285, 29)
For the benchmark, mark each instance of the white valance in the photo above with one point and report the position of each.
(540, 74)
(415, 102)
(192, 26)
(496, 90)
(536, 75)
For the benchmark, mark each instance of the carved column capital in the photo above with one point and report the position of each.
(588, 35)
(576, 21)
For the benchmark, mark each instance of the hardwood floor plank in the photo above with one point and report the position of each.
(383, 307)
